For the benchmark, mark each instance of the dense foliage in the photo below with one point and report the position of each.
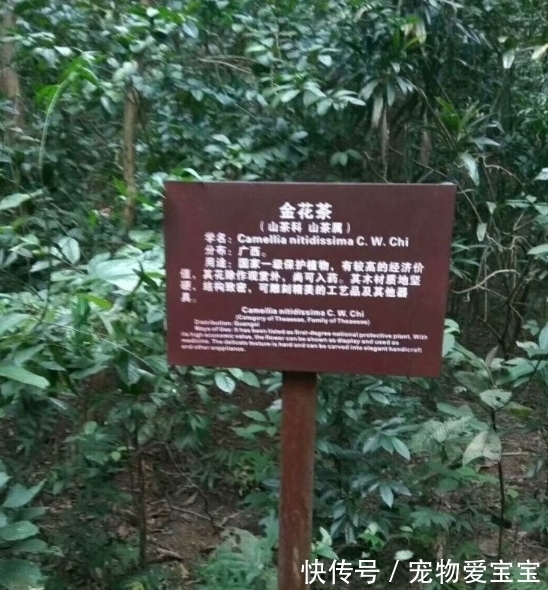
(104, 100)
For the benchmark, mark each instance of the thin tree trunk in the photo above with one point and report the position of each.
(131, 118)
(131, 112)
(9, 79)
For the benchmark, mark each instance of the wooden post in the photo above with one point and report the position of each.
(297, 477)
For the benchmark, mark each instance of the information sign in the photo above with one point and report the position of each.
(308, 277)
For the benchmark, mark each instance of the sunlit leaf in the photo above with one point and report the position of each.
(326, 60)
(481, 230)
(543, 338)
(69, 249)
(539, 51)
(539, 250)
(403, 555)
(224, 382)
(378, 106)
(20, 496)
(368, 89)
(508, 59)
(289, 95)
(495, 398)
(21, 375)
(486, 444)
(471, 167)
(542, 175)
(13, 201)
(190, 28)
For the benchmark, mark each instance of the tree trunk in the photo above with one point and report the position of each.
(131, 116)
(9, 79)
(131, 112)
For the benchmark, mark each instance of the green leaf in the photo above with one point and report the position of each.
(119, 272)
(339, 158)
(256, 48)
(236, 373)
(64, 51)
(390, 95)
(326, 60)
(542, 175)
(451, 410)
(495, 398)
(224, 382)
(543, 338)
(289, 95)
(222, 138)
(403, 555)
(309, 98)
(45, 264)
(401, 448)
(481, 230)
(486, 444)
(3, 520)
(449, 342)
(18, 531)
(508, 59)
(99, 301)
(69, 249)
(380, 397)
(20, 496)
(250, 379)
(254, 415)
(248, 431)
(539, 51)
(368, 89)
(471, 167)
(12, 320)
(12, 201)
(20, 574)
(323, 106)
(25, 354)
(4, 478)
(539, 250)
(23, 376)
(378, 106)
(191, 29)
(129, 372)
(387, 494)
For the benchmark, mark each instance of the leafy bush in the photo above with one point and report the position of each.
(242, 562)
(20, 545)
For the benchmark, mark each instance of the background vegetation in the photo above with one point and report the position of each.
(121, 472)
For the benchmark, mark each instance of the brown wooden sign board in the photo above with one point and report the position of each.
(346, 278)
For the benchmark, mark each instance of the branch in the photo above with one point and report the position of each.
(496, 272)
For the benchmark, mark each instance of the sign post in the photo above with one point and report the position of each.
(297, 477)
(307, 278)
